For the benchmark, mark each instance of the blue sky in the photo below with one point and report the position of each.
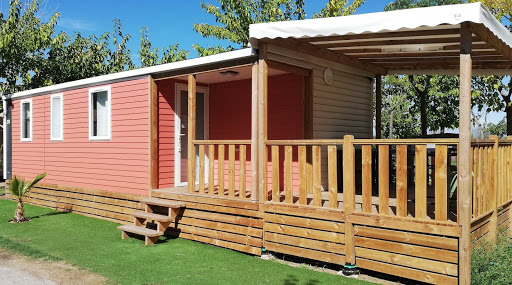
(168, 22)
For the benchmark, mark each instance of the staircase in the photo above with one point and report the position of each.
(158, 211)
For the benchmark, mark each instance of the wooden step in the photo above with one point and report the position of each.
(163, 203)
(140, 231)
(153, 217)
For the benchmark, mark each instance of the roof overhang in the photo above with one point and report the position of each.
(413, 41)
(222, 60)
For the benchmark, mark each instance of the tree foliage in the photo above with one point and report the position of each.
(335, 8)
(32, 55)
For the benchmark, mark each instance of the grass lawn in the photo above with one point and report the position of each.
(2, 191)
(96, 245)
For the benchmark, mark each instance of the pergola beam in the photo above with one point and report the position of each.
(298, 46)
(380, 43)
(483, 33)
(436, 32)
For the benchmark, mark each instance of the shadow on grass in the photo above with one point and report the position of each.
(24, 249)
(292, 280)
(50, 214)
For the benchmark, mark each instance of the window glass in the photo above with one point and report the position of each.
(100, 114)
(56, 117)
(26, 125)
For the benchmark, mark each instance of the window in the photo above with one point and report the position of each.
(100, 113)
(56, 113)
(26, 120)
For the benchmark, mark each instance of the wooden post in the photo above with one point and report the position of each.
(493, 221)
(191, 166)
(349, 197)
(262, 122)
(464, 171)
(153, 135)
(254, 133)
(378, 106)
(509, 196)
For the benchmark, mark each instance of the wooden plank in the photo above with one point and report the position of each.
(431, 241)
(308, 105)
(404, 260)
(407, 224)
(220, 226)
(201, 169)
(217, 242)
(421, 182)
(305, 211)
(333, 176)
(253, 223)
(493, 203)
(220, 172)
(275, 174)
(317, 175)
(153, 134)
(191, 165)
(367, 179)
(288, 174)
(415, 274)
(207, 199)
(336, 248)
(305, 233)
(231, 171)
(401, 180)
(211, 169)
(407, 249)
(303, 199)
(384, 179)
(441, 184)
(243, 170)
(242, 239)
(306, 222)
(474, 161)
(303, 252)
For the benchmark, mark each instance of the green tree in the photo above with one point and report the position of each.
(24, 38)
(20, 189)
(235, 16)
(335, 8)
(150, 56)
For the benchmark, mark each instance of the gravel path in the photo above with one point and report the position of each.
(19, 270)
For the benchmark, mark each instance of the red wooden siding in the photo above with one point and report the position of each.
(118, 165)
(166, 90)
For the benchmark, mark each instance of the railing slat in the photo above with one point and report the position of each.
(201, 169)
(479, 182)
(231, 186)
(211, 169)
(333, 176)
(220, 175)
(317, 175)
(401, 180)
(441, 195)
(288, 174)
(367, 179)
(243, 171)
(275, 173)
(303, 176)
(475, 162)
(384, 179)
(421, 182)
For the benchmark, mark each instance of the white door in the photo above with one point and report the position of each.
(181, 131)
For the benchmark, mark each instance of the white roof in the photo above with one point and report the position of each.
(137, 73)
(399, 20)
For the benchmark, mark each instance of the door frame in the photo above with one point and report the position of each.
(177, 128)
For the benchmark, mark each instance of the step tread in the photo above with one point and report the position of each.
(140, 231)
(162, 202)
(152, 216)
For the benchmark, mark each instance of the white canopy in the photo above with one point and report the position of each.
(391, 21)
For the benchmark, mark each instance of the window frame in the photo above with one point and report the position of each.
(29, 101)
(108, 89)
(61, 137)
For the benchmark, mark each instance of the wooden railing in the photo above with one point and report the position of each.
(492, 174)
(388, 177)
(223, 168)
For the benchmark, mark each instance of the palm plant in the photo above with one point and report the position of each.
(20, 188)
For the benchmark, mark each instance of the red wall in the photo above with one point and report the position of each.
(118, 165)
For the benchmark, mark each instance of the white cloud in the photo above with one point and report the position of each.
(77, 25)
